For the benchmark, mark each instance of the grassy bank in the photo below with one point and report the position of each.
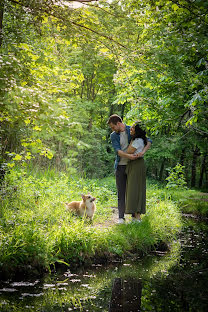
(189, 201)
(37, 232)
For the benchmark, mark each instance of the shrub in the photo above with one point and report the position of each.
(176, 177)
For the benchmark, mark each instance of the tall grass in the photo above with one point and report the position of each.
(36, 230)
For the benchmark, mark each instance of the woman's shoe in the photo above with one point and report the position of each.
(136, 220)
(120, 221)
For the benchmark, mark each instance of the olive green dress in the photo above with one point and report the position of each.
(136, 187)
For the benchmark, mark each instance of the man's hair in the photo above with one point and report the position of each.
(114, 119)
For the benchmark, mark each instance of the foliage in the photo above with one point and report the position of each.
(163, 77)
(64, 70)
(176, 177)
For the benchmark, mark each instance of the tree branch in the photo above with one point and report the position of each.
(188, 9)
(1, 21)
(99, 34)
(102, 9)
(43, 10)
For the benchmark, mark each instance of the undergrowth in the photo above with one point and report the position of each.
(36, 230)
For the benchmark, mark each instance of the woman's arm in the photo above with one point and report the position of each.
(145, 149)
(129, 153)
(130, 149)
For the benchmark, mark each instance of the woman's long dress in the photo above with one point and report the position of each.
(136, 187)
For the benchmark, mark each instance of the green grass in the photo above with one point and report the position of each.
(36, 230)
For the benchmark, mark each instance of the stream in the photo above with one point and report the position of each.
(161, 281)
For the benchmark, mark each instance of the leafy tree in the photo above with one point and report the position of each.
(64, 70)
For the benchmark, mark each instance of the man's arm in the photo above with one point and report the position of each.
(126, 155)
(115, 140)
(117, 147)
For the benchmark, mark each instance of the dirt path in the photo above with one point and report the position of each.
(112, 220)
(203, 197)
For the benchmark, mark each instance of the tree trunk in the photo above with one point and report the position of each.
(206, 179)
(193, 167)
(122, 110)
(203, 169)
(82, 89)
(162, 169)
(156, 172)
(1, 20)
(182, 158)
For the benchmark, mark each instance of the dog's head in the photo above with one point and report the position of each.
(88, 198)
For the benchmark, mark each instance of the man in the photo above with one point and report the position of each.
(120, 138)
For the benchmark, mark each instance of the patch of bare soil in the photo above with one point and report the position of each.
(110, 221)
(203, 197)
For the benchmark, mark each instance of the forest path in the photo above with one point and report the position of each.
(202, 196)
(112, 220)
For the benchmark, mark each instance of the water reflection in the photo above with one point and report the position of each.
(126, 295)
(175, 282)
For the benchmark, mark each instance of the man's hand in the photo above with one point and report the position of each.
(126, 155)
(141, 154)
(132, 156)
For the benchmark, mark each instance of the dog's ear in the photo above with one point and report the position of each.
(83, 196)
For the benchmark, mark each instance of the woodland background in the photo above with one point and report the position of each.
(66, 66)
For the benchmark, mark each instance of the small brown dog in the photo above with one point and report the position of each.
(86, 207)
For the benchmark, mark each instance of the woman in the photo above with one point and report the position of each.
(136, 175)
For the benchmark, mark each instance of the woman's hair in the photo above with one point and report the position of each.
(139, 133)
(114, 119)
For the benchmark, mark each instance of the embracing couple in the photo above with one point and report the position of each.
(130, 145)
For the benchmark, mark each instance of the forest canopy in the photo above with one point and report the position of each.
(66, 66)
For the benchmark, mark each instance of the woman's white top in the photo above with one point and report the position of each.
(138, 143)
